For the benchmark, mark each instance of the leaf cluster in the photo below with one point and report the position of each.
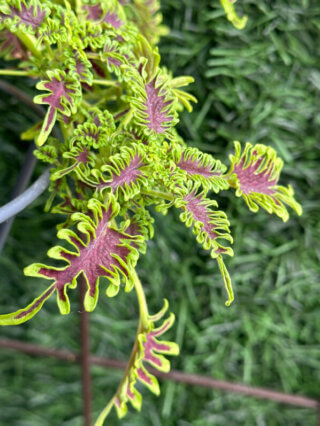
(99, 74)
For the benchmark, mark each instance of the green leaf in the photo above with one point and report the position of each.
(254, 174)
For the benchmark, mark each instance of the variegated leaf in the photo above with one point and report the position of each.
(111, 13)
(96, 130)
(148, 349)
(125, 172)
(17, 14)
(152, 103)
(149, 20)
(115, 56)
(64, 96)
(101, 250)
(79, 66)
(210, 227)
(202, 168)
(255, 174)
(82, 160)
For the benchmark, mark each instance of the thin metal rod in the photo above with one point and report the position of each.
(27, 197)
(30, 160)
(20, 185)
(85, 355)
(174, 375)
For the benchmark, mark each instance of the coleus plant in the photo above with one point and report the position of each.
(98, 72)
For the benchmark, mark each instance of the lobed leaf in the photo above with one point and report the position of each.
(96, 131)
(101, 251)
(148, 349)
(21, 14)
(210, 227)
(109, 12)
(115, 56)
(125, 172)
(152, 102)
(53, 32)
(64, 96)
(202, 168)
(82, 162)
(148, 18)
(79, 66)
(254, 174)
(47, 153)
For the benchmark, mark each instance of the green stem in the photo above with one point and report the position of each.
(86, 105)
(64, 132)
(17, 73)
(159, 194)
(104, 414)
(105, 82)
(143, 308)
(143, 325)
(92, 55)
(30, 43)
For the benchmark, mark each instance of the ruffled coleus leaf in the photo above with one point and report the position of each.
(82, 162)
(210, 227)
(125, 172)
(96, 131)
(201, 168)
(148, 58)
(152, 103)
(53, 32)
(254, 173)
(92, 36)
(79, 66)
(148, 349)
(47, 153)
(16, 14)
(114, 56)
(64, 97)
(109, 12)
(232, 15)
(101, 250)
(148, 18)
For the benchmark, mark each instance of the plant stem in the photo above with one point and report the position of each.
(105, 82)
(17, 73)
(143, 325)
(104, 414)
(143, 308)
(30, 43)
(92, 55)
(160, 194)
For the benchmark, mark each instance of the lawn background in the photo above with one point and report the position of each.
(261, 84)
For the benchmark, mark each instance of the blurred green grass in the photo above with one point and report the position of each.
(261, 84)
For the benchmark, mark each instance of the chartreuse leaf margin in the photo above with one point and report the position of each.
(115, 153)
(254, 174)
